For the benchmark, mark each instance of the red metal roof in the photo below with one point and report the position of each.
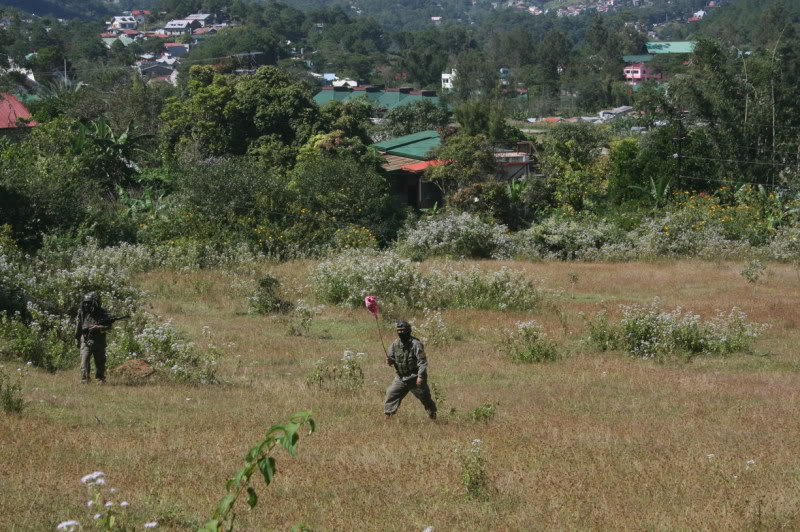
(422, 165)
(10, 110)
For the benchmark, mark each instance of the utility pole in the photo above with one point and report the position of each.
(679, 154)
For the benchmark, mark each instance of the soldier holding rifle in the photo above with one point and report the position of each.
(91, 326)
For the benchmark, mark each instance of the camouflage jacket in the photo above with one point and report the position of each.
(408, 359)
(86, 319)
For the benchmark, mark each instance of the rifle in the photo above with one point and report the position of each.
(108, 322)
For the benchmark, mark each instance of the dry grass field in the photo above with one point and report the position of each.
(594, 441)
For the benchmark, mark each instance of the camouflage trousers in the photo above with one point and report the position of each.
(90, 350)
(399, 389)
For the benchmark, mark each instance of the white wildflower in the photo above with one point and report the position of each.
(124, 504)
(68, 525)
(151, 524)
(92, 477)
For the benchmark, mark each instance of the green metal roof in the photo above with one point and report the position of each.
(416, 146)
(384, 99)
(671, 47)
(637, 58)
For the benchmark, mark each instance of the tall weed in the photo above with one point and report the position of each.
(647, 331)
(454, 235)
(528, 343)
(11, 399)
(346, 375)
(346, 279)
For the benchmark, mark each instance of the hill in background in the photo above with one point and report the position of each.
(62, 8)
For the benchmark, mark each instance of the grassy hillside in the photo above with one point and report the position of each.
(591, 441)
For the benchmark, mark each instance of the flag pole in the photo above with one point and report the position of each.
(381, 336)
(371, 302)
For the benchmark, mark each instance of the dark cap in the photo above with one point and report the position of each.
(403, 326)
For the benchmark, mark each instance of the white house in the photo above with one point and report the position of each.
(203, 18)
(179, 27)
(123, 23)
(346, 82)
(447, 79)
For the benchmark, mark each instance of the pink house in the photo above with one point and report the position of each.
(639, 72)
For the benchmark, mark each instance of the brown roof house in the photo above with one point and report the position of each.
(405, 160)
(15, 119)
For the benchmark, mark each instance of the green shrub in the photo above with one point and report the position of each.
(347, 278)
(351, 276)
(346, 375)
(528, 343)
(483, 413)
(454, 235)
(568, 238)
(650, 332)
(754, 270)
(503, 289)
(47, 344)
(267, 299)
(474, 476)
(298, 320)
(602, 334)
(160, 345)
(10, 395)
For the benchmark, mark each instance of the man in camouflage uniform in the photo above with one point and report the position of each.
(407, 355)
(90, 334)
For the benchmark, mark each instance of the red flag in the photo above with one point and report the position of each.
(372, 305)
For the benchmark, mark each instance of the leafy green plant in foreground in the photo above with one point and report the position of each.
(10, 395)
(258, 459)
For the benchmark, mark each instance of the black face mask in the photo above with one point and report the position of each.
(404, 335)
